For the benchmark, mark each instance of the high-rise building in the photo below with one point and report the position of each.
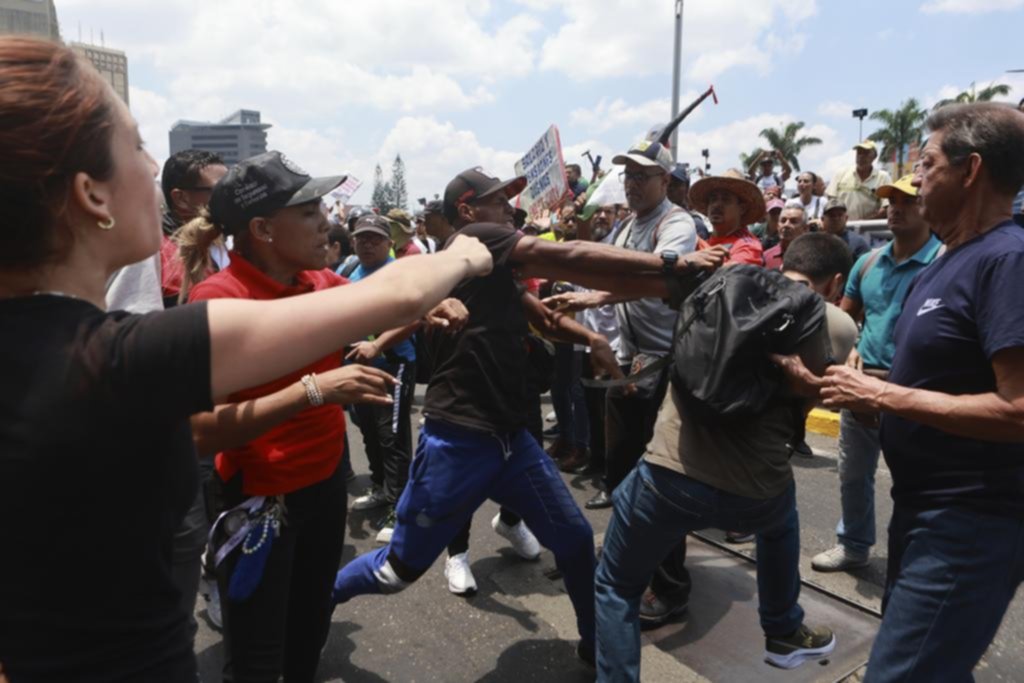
(237, 137)
(112, 65)
(29, 17)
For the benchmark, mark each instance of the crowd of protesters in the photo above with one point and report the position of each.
(204, 345)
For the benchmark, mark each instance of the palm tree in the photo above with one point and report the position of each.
(901, 128)
(747, 159)
(986, 94)
(787, 143)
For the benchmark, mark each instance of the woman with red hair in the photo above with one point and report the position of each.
(97, 462)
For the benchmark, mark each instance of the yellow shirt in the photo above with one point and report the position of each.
(859, 195)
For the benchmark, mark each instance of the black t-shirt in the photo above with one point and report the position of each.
(479, 378)
(959, 313)
(97, 470)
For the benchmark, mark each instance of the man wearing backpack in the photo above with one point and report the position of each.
(725, 472)
(874, 296)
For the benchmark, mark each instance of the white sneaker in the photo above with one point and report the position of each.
(387, 528)
(838, 559)
(373, 498)
(522, 539)
(459, 575)
(208, 589)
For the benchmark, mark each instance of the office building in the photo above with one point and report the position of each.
(29, 17)
(237, 137)
(112, 65)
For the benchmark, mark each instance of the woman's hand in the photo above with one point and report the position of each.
(356, 384)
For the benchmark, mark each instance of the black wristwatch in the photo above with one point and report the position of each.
(669, 259)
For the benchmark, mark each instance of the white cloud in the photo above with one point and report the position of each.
(634, 37)
(728, 141)
(434, 151)
(950, 91)
(400, 56)
(613, 113)
(835, 109)
(969, 6)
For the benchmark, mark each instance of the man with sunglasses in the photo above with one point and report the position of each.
(187, 181)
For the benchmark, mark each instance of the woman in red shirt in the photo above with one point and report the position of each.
(282, 440)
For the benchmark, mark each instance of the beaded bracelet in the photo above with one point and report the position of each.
(316, 398)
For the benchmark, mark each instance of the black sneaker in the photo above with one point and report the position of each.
(655, 609)
(803, 450)
(586, 654)
(599, 502)
(737, 537)
(789, 652)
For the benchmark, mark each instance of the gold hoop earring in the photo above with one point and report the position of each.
(107, 224)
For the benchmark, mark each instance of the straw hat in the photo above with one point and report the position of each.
(731, 181)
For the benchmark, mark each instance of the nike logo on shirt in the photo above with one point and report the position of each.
(928, 306)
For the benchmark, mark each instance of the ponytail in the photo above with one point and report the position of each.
(194, 240)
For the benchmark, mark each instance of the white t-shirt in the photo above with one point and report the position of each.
(813, 210)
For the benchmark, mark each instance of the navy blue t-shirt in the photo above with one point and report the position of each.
(959, 312)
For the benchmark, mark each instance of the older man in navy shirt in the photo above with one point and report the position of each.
(952, 426)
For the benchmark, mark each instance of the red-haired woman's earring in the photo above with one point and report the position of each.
(107, 224)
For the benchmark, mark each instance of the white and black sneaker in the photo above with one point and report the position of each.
(373, 498)
(519, 536)
(459, 575)
(789, 652)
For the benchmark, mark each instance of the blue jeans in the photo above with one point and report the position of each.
(952, 573)
(858, 460)
(567, 397)
(654, 509)
(455, 470)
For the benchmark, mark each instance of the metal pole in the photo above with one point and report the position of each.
(675, 75)
(860, 130)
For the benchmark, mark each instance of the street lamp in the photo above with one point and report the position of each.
(860, 114)
(675, 75)
(707, 164)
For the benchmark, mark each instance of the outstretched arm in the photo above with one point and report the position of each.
(252, 342)
(561, 327)
(636, 274)
(233, 424)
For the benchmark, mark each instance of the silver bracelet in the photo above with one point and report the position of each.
(313, 393)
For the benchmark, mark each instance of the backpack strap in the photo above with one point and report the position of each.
(869, 262)
(351, 263)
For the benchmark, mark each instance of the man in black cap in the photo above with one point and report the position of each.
(474, 444)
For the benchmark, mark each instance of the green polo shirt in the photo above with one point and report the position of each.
(881, 292)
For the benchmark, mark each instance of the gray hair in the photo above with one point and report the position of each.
(993, 131)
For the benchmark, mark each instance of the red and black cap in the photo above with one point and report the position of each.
(472, 185)
(263, 184)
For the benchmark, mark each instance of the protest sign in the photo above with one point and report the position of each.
(342, 193)
(544, 168)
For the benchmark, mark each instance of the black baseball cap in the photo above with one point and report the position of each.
(371, 222)
(263, 184)
(473, 184)
(433, 206)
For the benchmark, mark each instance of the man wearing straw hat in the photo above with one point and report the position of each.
(731, 203)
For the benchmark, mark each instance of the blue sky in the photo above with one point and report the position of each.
(462, 83)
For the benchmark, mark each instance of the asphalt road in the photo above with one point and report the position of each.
(519, 627)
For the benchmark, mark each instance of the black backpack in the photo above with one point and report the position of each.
(727, 328)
